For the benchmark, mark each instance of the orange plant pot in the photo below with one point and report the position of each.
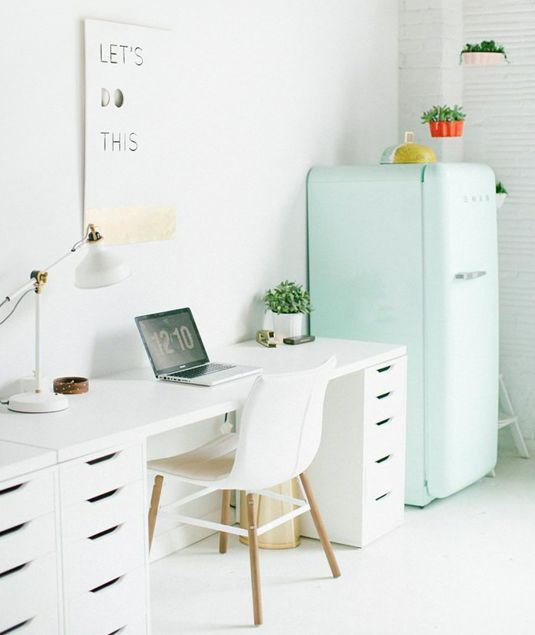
(446, 128)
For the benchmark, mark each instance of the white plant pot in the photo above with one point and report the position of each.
(288, 324)
(482, 59)
(500, 200)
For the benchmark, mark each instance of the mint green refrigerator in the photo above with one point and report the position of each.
(408, 254)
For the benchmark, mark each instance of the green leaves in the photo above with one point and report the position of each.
(443, 113)
(486, 46)
(288, 297)
(500, 188)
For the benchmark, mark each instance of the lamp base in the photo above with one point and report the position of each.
(34, 402)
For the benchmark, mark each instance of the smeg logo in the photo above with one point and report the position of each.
(476, 198)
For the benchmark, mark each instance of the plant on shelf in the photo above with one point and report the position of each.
(445, 121)
(486, 52)
(289, 303)
(501, 194)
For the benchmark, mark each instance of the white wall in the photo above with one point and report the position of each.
(500, 102)
(266, 90)
(429, 73)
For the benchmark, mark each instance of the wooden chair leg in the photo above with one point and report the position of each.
(253, 556)
(225, 519)
(320, 527)
(154, 504)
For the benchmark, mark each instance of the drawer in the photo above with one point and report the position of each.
(27, 541)
(26, 497)
(39, 625)
(27, 591)
(90, 562)
(382, 515)
(103, 511)
(86, 478)
(385, 377)
(383, 436)
(119, 604)
(379, 408)
(383, 475)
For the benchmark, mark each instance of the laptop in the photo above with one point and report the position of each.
(177, 353)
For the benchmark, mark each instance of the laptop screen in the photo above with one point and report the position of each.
(172, 340)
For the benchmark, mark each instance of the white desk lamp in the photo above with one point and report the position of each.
(99, 268)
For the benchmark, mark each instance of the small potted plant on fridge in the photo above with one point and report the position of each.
(445, 121)
(289, 303)
(501, 194)
(486, 52)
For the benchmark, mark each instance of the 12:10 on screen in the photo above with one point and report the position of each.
(165, 339)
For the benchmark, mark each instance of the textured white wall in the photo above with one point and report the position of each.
(500, 101)
(429, 71)
(266, 90)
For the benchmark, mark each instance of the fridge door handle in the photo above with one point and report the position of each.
(470, 275)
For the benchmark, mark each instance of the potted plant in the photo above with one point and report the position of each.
(289, 303)
(486, 52)
(445, 121)
(501, 194)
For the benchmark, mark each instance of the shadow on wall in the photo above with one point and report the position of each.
(117, 351)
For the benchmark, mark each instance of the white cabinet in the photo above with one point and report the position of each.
(104, 548)
(358, 474)
(29, 596)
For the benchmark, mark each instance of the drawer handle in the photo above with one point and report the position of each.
(382, 423)
(12, 629)
(96, 499)
(13, 570)
(11, 530)
(8, 490)
(100, 459)
(106, 585)
(384, 458)
(384, 369)
(383, 496)
(384, 395)
(103, 533)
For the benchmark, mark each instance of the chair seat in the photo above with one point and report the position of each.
(212, 461)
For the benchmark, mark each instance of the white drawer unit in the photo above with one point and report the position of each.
(119, 605)
(29, 592)
(92, 561)
(42, 624)
(26, 497)
(102, 511)
(104, 543)
(85, 478)
(364, 436)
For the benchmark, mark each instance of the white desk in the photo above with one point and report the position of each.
(98, 448)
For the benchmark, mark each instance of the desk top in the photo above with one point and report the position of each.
(130, 406)
(17, 459)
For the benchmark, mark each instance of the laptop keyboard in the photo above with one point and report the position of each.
(202, 370)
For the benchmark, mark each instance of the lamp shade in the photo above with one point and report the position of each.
(100, 268)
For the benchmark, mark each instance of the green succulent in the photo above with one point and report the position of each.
(443, 113)
(500, 188)
(288, 297)
(486, 46)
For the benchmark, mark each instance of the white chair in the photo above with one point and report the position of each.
(278, 437)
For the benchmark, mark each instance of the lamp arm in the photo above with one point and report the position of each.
(90, 235)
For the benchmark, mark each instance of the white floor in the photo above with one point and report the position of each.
(462, 566)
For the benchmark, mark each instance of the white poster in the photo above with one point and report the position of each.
(129, 167)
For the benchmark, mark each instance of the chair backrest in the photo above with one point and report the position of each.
(280, 427)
